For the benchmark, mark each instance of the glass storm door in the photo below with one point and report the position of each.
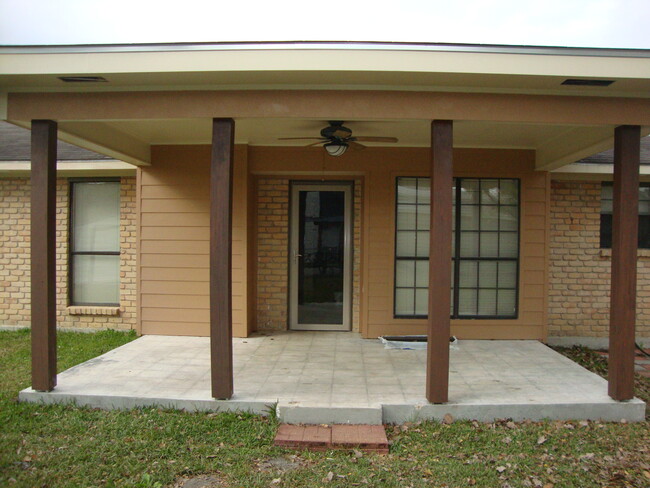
(319, 256)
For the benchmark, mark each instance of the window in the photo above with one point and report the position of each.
(606, 199)
(94, 243)
(485, 248)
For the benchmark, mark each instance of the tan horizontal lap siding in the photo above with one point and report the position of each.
(174, 241)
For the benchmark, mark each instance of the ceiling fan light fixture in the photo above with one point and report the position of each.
(335, 148)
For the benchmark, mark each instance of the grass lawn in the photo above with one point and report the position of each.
(58, 446)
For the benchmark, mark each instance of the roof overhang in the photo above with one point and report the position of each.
(499, 96)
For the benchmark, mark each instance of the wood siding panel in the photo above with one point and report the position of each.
(174, 238)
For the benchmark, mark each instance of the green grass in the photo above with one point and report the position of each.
(57, 446)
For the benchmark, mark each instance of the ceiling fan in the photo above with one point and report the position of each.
(336, 138)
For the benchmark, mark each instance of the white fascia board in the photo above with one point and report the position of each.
(71, 168)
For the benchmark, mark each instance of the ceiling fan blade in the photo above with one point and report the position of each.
(315, 144)
(375, 139)
(356, 146)
(301, 139)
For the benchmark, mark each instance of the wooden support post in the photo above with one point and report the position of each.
(43, 254)
(223, 131)
(625, 221)
(440, 261)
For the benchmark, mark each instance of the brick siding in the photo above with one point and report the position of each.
(580, 271)
(15, 306)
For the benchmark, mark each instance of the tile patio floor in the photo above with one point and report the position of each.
(333, 377)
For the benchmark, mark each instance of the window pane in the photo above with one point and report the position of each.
(405, 245)
(606, 230)
(406, 217)
(96, 216)
(406, 190)
(404, 273)
(469, 192)
(487, 302)
(506, 305)
(422, 250)
(509, 192)
(489, 244)
(507, 274)
(422, 273)
(508, 218)
(508, 245)
(468, 274)
(469, 244)
(421, 301)
(424, 191)
(404, 298)
(96, 279)
(644, 193)
(469, 217)
(644, 232)
(424, 217)
(487, 274)
(490, 217)
(490, 192)
(467, 302)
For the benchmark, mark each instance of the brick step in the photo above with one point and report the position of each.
(370, 438)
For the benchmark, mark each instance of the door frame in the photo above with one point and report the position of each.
(347, 187)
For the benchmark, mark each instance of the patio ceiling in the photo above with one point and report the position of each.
(542, 138)
(331, 68)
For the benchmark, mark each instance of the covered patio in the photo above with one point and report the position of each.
(510, 112)
(325, 377)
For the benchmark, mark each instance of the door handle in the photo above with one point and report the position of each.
(296, 255)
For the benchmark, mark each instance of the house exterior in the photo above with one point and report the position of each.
(243, 222)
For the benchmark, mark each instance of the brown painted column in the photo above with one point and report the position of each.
(223, 131)
(625, 222)
(440, 261)
(43, 254)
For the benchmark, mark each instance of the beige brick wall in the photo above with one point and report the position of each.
(272, 231)
(580, 271)
(15, 257)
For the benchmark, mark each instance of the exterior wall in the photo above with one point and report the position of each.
(15, 304)
(379, 168)
(174, 242)
(174, 236)
(272, 231)
(580, 270)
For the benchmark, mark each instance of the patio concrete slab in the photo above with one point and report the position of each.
(333, 377)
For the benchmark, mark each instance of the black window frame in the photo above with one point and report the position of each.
(71, 252)
(605, 231)
(456, 258)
